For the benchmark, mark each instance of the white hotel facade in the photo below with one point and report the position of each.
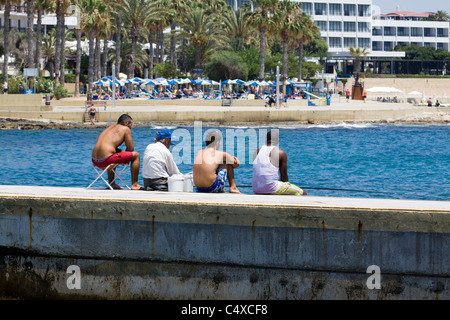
(359, 23)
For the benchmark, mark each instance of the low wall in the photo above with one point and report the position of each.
(234, 115)
(156, 245)
(23, 102)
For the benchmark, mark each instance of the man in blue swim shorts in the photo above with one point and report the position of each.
(212, 168)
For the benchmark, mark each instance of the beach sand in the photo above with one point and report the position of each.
(186, 111)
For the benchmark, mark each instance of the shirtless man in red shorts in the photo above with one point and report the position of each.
(106, 150)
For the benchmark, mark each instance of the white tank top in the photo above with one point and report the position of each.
(265, 175)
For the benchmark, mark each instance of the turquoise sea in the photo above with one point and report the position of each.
(364, 160)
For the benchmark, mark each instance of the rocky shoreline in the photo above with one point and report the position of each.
(441, 118)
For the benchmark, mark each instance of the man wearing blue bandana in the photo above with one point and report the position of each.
(158, 164)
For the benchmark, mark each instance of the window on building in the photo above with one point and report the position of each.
(334, 42)
(335, 9)
(363, 10)
(442, 32)
(363, 27)
(349, 42)
(428, 32)
(335, 26)
(322, 25)
(377, 31)
(403, 31)
(349, 10)
(364, 42)
(416, 32)
(388, 45)
(389, 31)
(320, 9)
(377, 46)
(307, 7)
(349, 26)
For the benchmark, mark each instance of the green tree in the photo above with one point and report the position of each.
(286, 25)
(226, 65)
(201, 30)
(260, 18)
(357, 54)
(237, 25)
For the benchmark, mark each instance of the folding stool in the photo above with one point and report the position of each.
(112, 167)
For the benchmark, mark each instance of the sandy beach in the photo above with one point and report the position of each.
(70, 113)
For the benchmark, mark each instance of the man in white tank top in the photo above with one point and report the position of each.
(270, 169)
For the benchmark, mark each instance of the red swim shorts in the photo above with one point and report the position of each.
(119, 157)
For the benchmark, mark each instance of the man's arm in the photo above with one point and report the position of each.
(229, 159)
(128, 139)
(283, 166)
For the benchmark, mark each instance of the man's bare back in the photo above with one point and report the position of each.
(110, 139)
(205, 167)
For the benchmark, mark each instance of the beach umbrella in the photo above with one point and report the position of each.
(252, 83)
(415, 93)
(122, 76)
(384, 90)
(137, 80)
(235, 81)
(206, 82)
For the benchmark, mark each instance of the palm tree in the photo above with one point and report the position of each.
(40, 6)
(286, 25)
(30, 31)
(260, 18)
(135, 16)
(440, 15)
(94, 10)
(48, 52)
(6, 29)
(238, 26)
(357, 54)
(116, 13)
(202, 31)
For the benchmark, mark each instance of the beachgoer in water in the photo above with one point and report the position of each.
(106, 150)
(212, 167)
(270, 169)
(158, 164)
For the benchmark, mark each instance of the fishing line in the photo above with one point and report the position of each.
(332, 189)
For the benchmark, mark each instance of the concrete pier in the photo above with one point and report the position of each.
(61, 243)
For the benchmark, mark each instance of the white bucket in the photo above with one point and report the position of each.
(176, 183)
(188, 183)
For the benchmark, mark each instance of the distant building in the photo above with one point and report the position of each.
(410, 28)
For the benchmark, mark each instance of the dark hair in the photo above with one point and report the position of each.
(272, 137)
(212, 138)
(123, 119)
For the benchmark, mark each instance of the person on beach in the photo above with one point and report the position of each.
(429, 102)
(5, 87)
(158, 164)
(212, 167)
(92, 112)
(106, 150)
(270, 169)
(364, 96)
(347, 94)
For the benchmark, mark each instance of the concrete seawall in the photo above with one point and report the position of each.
(156, 245)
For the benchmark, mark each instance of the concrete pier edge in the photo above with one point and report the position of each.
(155, 245)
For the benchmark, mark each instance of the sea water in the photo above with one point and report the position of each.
(362, 160)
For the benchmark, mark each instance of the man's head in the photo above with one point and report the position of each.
(125, 120)
(212, 139)
(164, 136)
(272, 138)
